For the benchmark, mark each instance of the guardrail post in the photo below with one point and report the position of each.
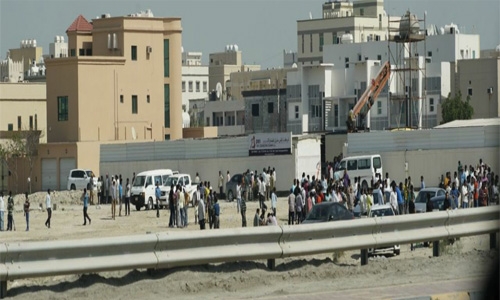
(435, 249)
(271, 263)
(364, 257)
(3, 289)
(493, 240)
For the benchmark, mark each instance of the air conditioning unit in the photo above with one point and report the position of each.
(149, 49)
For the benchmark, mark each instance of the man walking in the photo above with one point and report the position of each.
(85, 198)
(48, 205)
(27, 211)
(216, 214)
(243, 210)
(107, 186)
(221, 183)
(113, 199)
(127, 198)
(91, 188)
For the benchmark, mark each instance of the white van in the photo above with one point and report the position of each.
(143, 188)
(365, 166)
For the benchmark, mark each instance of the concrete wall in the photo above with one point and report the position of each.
(434, 163)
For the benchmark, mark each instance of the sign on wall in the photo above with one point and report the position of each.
(269, 144)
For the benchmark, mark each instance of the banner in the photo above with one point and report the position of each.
(269, 143)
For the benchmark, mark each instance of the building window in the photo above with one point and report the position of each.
(302, 43)
(134, 104)
(167, 137)
(134, 52)
(347, 62)
(88, 52)
(36, 122)
(379, 57)
(270, 107)
(311, 43)
(10, 127)
(190, 86)
(359, 56)
(166, 58)
(81, 52)
(72, 52)
(431, 104)
(166, 102)
(148, 100)
(197, 86)
(121, 98)
(469, 91)
(183, 86)
(379, 107)
(429, 53)
(296, 111)
(62, 108)
(205, 86)
(255, 110)
(362, 12)
(321, 42)
(31, 122)
(19, 122)
(336, 115)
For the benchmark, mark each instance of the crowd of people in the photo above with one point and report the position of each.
(471, 186)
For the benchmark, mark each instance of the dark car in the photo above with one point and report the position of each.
(328, 211)
(231, 186)
(438, 203)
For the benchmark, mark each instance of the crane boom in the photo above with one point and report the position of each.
(370, 95)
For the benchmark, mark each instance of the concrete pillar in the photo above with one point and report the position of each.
(493, 240)
(3, 289)
(364, 257)
(271, 264)
(435, 249)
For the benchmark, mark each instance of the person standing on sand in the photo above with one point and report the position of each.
(112, 189)
(243, 210)
(48, 205)
(256, 218)
(10, 211)
(201, 214)
(27, 211)
(127, 198)
(85, 199)
(2, 211)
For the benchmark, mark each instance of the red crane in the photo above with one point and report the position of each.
(369, 96)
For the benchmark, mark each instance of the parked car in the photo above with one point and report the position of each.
(328, 211)
(421, 200)
(184, 180)
(231, 186)
(381, 211)
(143, 188)
(79, 178)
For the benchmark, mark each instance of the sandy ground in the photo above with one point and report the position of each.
(469, 257)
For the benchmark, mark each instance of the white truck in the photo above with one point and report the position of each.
(142, 192)
(184, 180)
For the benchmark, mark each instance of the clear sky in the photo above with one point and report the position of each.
(261, 28)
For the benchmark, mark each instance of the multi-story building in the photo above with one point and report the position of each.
(22, 111)
(194, 78)
(478, 79)
(28, 52)
(120, 82)
(59, 48)
(221, 65)
(342, 21)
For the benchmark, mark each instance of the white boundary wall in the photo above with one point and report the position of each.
(209, 157)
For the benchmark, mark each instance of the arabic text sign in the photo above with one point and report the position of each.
(269, 143)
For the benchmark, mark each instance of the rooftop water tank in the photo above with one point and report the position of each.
(408, 25)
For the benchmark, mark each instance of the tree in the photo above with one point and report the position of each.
(454, 108)
(22, 144)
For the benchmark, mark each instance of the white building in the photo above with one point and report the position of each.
(355, 22)
(11, 71)
(194, 78)
(59, 48)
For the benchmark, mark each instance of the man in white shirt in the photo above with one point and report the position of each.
(238, 197)
(2, 211)
(465, 196)
(48, 205)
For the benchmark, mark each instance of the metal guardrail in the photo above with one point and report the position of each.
(173, 249)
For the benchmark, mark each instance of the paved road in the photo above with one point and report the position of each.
(406, 291)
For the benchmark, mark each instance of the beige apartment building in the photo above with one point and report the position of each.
(478, 79)
(120, 82)
(342, 22)
(221, 65)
